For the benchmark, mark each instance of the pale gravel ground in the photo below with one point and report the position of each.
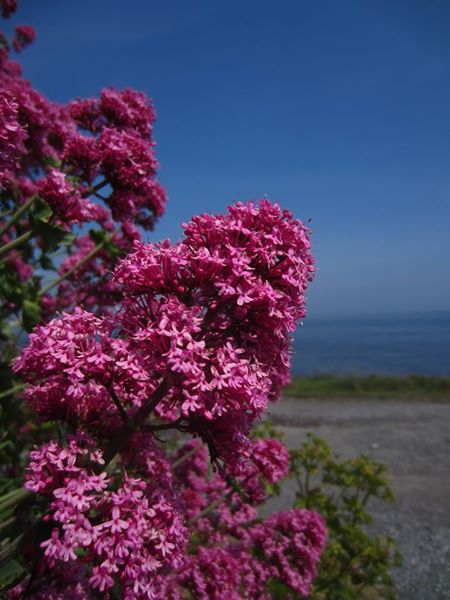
(413, 439)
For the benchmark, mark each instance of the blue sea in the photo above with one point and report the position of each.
(388, 345)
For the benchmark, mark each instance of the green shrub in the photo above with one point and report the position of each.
(355, 564)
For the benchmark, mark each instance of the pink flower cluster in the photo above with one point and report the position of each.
(108, 141)
(12, 137)
(91, 161)
(238, 556)
(284, 550)
(77, 367)
(65, 199)
(8, 7)
(214, 314)
(24, 36)
(211, 317)
(267, 463)
(128, 532)
(192, 338)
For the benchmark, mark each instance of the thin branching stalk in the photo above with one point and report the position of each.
(15, 242)
(12, 390)
(68, 273)
(16, 216)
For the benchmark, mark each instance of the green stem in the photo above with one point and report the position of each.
(5, 524)
(16, 242)
(10, 548)
(218, 501)
(213, 505)
(68, 273)
(12, 390)
(12, 498)
(182, 459)
(16, 216)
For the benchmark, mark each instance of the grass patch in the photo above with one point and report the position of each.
(373, 386)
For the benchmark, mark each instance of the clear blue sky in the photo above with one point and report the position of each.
(339, 110)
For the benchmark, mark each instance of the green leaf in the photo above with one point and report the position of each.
(11, 290)
(52, 162)
(277, 589)
(40, 212)
(98, 235)
(10, 573)
(52, 236)
(113, 250)
(31, 314)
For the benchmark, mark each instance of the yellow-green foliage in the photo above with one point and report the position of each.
(355, 564)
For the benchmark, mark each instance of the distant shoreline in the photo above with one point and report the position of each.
(421, 387)
(385, 346)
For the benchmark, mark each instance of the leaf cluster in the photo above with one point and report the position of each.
(356, 564)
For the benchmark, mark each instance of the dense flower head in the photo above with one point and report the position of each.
(51, 463)
(121, 109)
(82, 154)
(12, 138)
(128, 533)
(65, 199)
(127, 109)
(24, 36)
(76, 366)
(130, 168)
(105, 142)
(222, 357)
(193, 337)
(8, 7)
(220, 307)
(211, 574)
(290, 544)
(284, 549)
(267, 463)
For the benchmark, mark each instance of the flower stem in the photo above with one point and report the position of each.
(16, 242)
(218, 501)
(12, 390)
(16, 216)
(182, 459)
(13, 498)
(119, 405)
(68, 273)
(121, 439)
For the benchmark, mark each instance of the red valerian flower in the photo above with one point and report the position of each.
(12, 138)
(24, 36)
(131, 532)
(8, 7)
(221, 360)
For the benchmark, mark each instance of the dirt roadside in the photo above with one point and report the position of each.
(413, 439)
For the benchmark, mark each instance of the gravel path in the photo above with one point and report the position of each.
(413, 439)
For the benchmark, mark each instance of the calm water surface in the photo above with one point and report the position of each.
(385, 345)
